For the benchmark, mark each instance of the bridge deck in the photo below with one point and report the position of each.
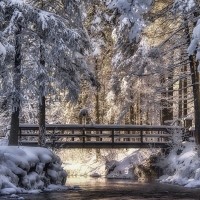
(98, 136)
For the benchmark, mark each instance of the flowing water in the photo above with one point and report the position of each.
(103, 189)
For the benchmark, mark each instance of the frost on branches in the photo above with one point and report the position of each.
(131, 12)
(194, 45)
(64, 50)
(2, 53)
(183, 5)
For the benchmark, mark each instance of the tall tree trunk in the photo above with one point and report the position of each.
(132, 115)
(170, 94)
(195, 86)
(138, 110)
(97, 106)
(42, 113)
(163, 103)
(42, 126)
(166, 102)
(185, 94)
(13, 140)
(180, 99)
(97, 110)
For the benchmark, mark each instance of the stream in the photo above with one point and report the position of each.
(116, 189)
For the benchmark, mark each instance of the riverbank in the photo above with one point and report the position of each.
(182, 165)
(109, 163)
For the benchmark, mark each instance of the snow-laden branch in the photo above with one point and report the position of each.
(2, 53)
(131, 15)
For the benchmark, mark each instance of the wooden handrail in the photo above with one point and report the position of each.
(97, 126)
(138, 135)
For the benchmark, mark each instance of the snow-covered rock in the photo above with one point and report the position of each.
(29, 170)
(182, 168)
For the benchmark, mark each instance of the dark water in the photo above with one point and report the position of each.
(102, 189)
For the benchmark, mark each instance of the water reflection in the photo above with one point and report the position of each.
(103, 189)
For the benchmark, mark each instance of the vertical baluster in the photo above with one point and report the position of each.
(20, 136)
(54, 137)
(72, 133)
(100, 136)
(141, 137)
(113, 139)
(83, 137)
(129, 137)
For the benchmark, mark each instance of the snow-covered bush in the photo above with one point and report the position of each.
(25, 169)
(83, 113)
(182, 168)
(177, 139)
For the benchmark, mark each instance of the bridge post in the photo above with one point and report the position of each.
(53, 137)
(141, 137)
(113, 138)
(128, 139)
(20, 135)
(83, 137)
(72, 133)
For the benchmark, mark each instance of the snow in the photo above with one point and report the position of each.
(112, 163)
(131, 13)
(183, 5)
(194, 44)
(182, 168)
(2, 52)
(83, 112)
(16, 2)
(97, 20)
(30, 170)
(124, 168)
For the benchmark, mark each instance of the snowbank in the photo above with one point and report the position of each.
(125, 167)
(29, 170)
(113, 163)
(182, 166)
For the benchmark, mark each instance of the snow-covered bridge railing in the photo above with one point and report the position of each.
(99, 136)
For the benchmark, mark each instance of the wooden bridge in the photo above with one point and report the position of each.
(99, 136)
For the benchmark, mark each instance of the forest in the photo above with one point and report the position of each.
(125, 61)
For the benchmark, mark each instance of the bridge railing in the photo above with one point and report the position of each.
(98, 136)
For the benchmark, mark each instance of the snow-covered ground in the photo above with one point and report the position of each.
(29, 170)
(182, 166)
(110, 163)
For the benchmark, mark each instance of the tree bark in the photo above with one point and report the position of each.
(132, 115)
(185, 113)
(180, 97)
(97, 105)
(42, 125)
(13, 139)
(42, 99)
(195, 86)
(166, 102)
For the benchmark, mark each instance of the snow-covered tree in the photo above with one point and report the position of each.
(62, 56)
(129, 23)
(194, 51)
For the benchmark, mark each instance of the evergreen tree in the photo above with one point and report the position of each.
(60, 57)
